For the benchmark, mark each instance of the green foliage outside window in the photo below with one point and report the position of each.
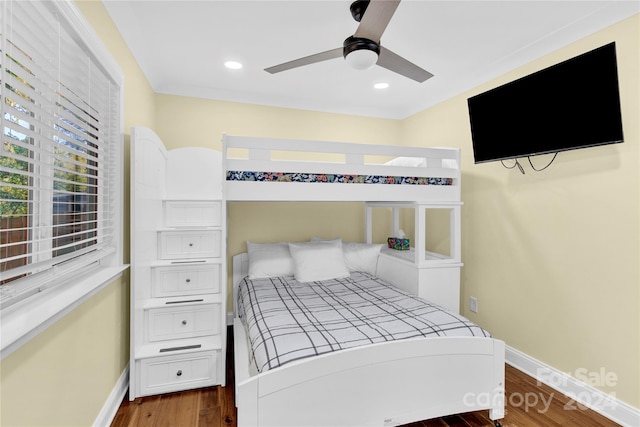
(14, 197)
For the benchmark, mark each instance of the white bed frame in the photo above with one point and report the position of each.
(261, 154)
(382, 384)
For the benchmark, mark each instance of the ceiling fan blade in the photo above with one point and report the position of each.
(398, 64)
(311, 59)
(376, 18)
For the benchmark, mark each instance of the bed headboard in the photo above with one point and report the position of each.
(240, 270)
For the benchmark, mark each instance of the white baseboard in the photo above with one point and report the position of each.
(110, 407)
(582, 393)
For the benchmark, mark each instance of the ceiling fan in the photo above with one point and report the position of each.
(363, 50)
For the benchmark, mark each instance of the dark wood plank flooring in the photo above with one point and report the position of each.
(528, 404)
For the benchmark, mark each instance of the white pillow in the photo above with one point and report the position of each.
(407, 161)
(359, 256)
(318, 260)
(420, 162)
(269, 260)
(449, 164)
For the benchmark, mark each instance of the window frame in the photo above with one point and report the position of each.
(42, 300)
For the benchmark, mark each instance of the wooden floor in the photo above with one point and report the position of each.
(528, 404)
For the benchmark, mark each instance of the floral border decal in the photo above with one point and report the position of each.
(334, 178)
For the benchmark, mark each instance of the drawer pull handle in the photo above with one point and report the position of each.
(179, 373)
(185, 301)
(184, 347)
(184, 322)
(188, 280)
(190, 244)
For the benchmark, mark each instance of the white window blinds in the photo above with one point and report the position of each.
(61, 148)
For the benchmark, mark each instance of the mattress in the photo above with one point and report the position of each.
(333, 178)
(287, 320)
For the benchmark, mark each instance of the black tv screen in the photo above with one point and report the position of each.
(573, 104)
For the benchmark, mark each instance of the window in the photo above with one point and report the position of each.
(61, 156)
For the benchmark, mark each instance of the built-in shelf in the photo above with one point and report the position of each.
(433, 276)
(429, 257)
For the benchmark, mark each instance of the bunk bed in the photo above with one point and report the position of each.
(383, 383)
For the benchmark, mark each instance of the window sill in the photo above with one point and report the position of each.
(22, 321)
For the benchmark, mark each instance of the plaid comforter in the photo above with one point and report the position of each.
(287, 320)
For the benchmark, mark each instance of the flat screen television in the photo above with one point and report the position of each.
(573, 104)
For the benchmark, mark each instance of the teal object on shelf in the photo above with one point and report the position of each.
(398, 243)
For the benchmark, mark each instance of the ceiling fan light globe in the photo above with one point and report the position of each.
(362, 59)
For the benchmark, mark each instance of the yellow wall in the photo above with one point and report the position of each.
(64, 376)
(553, 256)
(183, 121)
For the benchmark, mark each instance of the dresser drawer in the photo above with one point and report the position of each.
(181, 244)
(183, 321)
(182, 213)
(177, 280)
(179, 372)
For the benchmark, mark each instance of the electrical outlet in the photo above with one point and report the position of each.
(473, 304)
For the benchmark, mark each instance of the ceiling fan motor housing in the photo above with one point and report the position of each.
(352, 44)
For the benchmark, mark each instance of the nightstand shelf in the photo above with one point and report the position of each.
(428, 274)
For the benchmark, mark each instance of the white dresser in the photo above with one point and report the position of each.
(178, 253)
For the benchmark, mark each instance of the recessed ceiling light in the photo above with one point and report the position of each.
(233, 65)
(381, 85)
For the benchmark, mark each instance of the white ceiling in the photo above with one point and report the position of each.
(181, 47)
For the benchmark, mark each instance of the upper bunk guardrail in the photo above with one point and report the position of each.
(279, 155)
